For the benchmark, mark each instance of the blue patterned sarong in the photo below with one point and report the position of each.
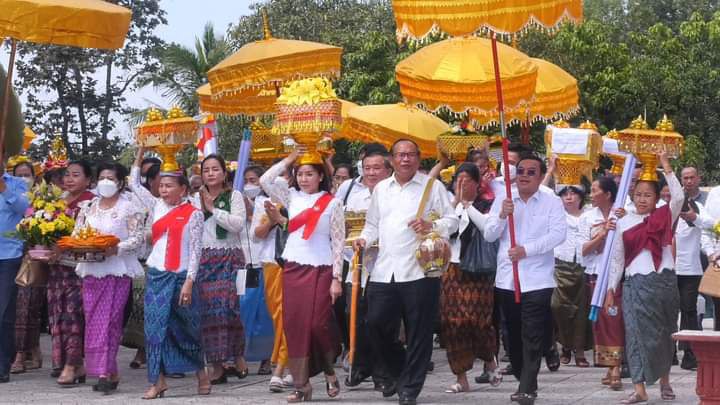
(172, 332)
(259, 333)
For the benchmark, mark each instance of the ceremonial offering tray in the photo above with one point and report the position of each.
(87, 246)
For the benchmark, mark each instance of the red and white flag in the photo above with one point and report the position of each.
(207, 135)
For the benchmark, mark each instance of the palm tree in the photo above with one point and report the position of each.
(185, 69)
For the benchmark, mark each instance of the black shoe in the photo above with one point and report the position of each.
(406, 400)
(176, 375)
(523, 398)
(624, 371)
(689, 362)
(355, 379)
(105, 386)
(388, 389)
(4, 378)
(552, 360)
(505, 358)
(483, 378)
(675, 361)
(56, 372)
(431, 367)
(265, 368)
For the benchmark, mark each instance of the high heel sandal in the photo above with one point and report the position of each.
(666, 393)
(332, 388)
(615, 383)
(581, 362)
(303, 395)
(157, 393)
(74, 382)
(565, 356)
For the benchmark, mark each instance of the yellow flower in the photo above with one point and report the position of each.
(38, 204)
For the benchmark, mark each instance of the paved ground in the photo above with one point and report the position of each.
(569, 385)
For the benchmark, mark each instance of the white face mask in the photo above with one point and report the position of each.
(107, 188)
(29, 182)
(251, 191)
(359, 168)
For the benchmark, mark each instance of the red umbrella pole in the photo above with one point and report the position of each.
(506, 166)
(6, 95)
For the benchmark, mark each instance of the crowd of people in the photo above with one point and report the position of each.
(207, 278)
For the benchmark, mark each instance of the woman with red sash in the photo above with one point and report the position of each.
(65, 302)
(172, 315)
(650, 301)
(312, 272)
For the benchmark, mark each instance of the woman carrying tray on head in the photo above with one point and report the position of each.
(172, 314)
(106, 284)
(312, 272)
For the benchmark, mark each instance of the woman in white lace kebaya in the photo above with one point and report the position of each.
(172, 315)
(106, 284)
(312, 272)
(222, 329)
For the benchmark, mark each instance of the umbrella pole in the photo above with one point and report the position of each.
(356, 270)
(6, 95)
(506, 166)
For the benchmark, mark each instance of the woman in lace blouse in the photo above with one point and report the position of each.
(172, 315)
(222, 257)
(106, 284)
(311, 274)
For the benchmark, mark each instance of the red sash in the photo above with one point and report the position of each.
(173, 223)
(654, 233)
(310, 216)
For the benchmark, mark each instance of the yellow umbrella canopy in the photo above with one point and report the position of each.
(556, 93)
(270, 63)
(259, 102)
(386, 123)
(458, 74)
(81, 23)
(418, 18)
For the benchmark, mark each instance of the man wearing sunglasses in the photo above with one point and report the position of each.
(540, 226)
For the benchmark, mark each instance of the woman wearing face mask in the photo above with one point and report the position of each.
(65, 301)
(30, 303)
(222, 330)
(312, 273)
(255, 317)
(106, 284)
(172, 315)
(643, 253)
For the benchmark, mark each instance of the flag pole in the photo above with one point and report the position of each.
(506, 166)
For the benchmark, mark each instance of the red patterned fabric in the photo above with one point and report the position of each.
(654, 233)
(173, 223)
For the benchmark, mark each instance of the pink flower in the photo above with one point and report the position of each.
(29, 212)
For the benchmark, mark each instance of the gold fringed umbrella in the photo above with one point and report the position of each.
(387, 123)
(458, 74)
(255, 103)
(418, 18)
(556, 93)
(271, 63)
(81, 23)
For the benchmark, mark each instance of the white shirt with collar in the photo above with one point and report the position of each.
(643, 263)
(392, 207)
(591, 222)
(540, 226)
(688, 240)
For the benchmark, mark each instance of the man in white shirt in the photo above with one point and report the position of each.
(398, 287)
(540, 226)
(375, 168)
(693, 220)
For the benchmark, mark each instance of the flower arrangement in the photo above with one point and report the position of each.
(46, 219)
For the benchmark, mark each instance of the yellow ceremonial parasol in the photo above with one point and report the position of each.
(418, 18)
(81, 23)
(271, 63)
(259, 102)
(387, 123)
(458, 74)
(556, 93)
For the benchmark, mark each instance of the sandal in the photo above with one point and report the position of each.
(456, 388)
(301, 395)
(265, 368)
(33, 364)
(495, 377)
(17, 368)
(565, 356)
(581, 362)
(634, 399)
(332, 388)
(666, 393)
(154, 393)
(276, 384)
(523, 398)
(616, 383)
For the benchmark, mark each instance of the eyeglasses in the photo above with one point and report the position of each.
(526, 172)
(405, 155)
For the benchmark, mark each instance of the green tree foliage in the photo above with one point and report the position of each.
(77, 92)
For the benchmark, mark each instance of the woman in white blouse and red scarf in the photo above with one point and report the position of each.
(312, 272)
(650, 301)
(172, 315)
